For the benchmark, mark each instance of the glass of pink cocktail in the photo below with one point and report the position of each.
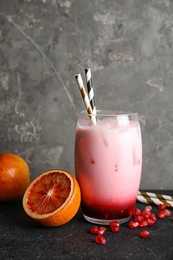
(108, 162)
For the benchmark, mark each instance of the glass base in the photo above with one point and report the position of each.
(106, 221)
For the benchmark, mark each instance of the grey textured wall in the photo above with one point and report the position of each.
(128, 44)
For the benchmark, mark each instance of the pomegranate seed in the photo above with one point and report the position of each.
(136, 212)
(101, 230)
(133, 224)
(150, 222)
(144, 233)
(161, 215)
(145, 213)
(94, 230)
(167, 212)
(139, 218)
(161, 206)
(114, 224)
(148, 208)
(143, 223)
(142, 218)
(100, 240)
(115, 229)
(152, 216)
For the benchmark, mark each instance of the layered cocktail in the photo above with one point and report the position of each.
(108, 162)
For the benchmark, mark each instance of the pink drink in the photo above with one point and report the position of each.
(108, 161)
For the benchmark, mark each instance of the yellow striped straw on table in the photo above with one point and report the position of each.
(154, 198)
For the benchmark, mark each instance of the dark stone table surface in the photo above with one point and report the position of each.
(22, 238)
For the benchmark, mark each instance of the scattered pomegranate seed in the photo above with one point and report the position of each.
(94, 230)
(114, 224)
(160, 215)
(152, 216)
(115, 229)
(167, 212)
(150, 222)
(162, 206)
(144, 233)
(143, 223)
(101, 230)
(100, 240)
(145, 213)
(139, 218)
(148, 208)
(136, 212)
(133, 224)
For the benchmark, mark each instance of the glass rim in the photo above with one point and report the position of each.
(111, 113)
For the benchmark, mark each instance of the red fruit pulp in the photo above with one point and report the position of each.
(114, 224)
(148, 208)
(152, 216)
(161, 215)
(101, 230)
(143, 223)
(111, 211)
(100, 240)
(162, 206)
(94, 230)
(144, 233)
(115, 229)
(139, 218)
(167, 212)
(133, 224)
(150, 222)
(136, 212)
(145, 213)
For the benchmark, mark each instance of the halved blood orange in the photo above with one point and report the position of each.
(53, 198)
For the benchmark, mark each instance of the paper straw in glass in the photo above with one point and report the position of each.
(90, 89)
(85, 98)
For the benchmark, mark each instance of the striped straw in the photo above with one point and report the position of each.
(85, 98)
(90, 89)
(153, 198)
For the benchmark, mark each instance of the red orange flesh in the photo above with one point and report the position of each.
(53, 198)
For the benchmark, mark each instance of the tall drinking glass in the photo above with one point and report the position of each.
(108, 163)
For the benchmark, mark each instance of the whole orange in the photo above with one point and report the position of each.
(14, 177)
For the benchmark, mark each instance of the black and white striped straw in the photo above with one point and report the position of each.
(90, 89)
(85, 98)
